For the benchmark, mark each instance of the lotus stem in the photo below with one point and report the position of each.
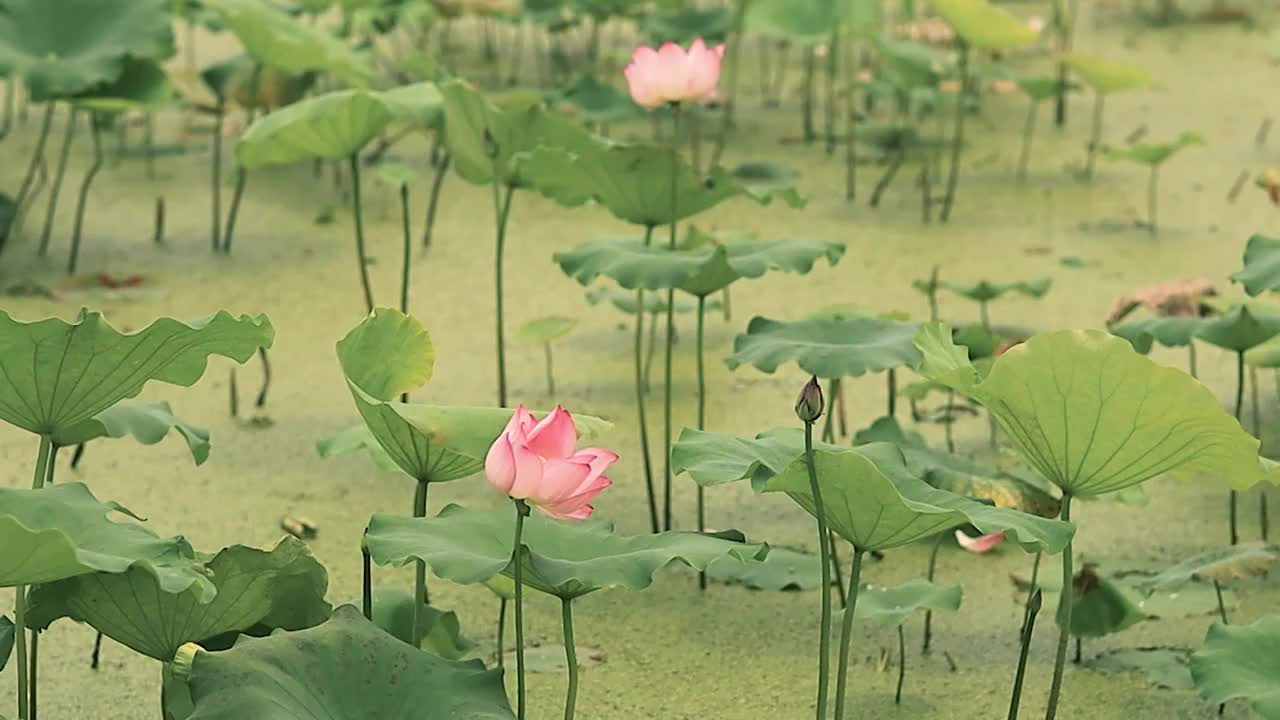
(893, 393)
(948, 421)
(652, 352)
(7, 123)
(517, 559)
(1153, 182)
(902, 665)
(671, 322)
(83, 200)
(928, 614)
(148, 145)
(502, 207)
(828, 425)
(736, 40)
(433, 204)
(702, 420)
(37, 157)
(726, 304)
(851, 143)
(502, 630)
(20, 592)
(837, 574)
(824, 639)
(358, 216)
(1064, 634)
(984, 313)
(570, 656)
(1028, 629)
(420, 566)
(1233, 498)
(1095, 138)
(242, 177)
(1222, 606)
(33, 702)
(833, 69)
(885, 180)
(216, 172)
(366, 596)
(234, 393)
(806, 109)
(1028, 134)
(406, 261)
(158, 236)
(1191, 360)
(52, 207)
(846, 630)
(95, 660)
(650, 493)
(957, 140)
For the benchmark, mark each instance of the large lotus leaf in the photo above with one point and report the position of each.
(331, 126)
(712, 458)
(142, 85)
(645, 185)
(147, 422)
(439, 631)
(986, 291)
(496, 133)
(346, 669)
(564, 559)
(983, 24)
(274, 38)
(390, 353)
(888, 429)
(1240, 329)
(256, 589)
(6, 640)
(355, 439)
(57, 374)
(61, 47)
(1106, 76)
(1101, 606)
(1093, 416)
(1261, 271)
(625, 300)
(63, 531)
(1154, 154)
(1168, 331)
(872, 500)
(782, 569)
(892, 606)
(1221, 565)
(1241, 662)
(699, 271)
(829, 347)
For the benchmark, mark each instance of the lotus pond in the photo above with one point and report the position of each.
(940, 307)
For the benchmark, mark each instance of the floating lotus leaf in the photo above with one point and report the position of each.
(56, 374)
(1241, 662)
(1154, 154)
(355, 439)
(699, 271)
(958, 475)
(6, 640)
(390, 353)
(564, 559)
(1106, 76)
(257, 590)
(782, 569)
(1222, 565)
(985, 291)
(1240, 329)
(142, 85)
(1093, 416)
(983, 24)
(58, 48)
(830, 347)
(1168, 331)
(1101, 606)
(274, 38)
(1164, 667)
(146, 422)
(547, 329)
(1261, 270)
(63, 531)
(345, 669)
(892, 606)
(439, 631)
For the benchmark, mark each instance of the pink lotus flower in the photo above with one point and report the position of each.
(979, 545)
(536, 462)
(670, 75)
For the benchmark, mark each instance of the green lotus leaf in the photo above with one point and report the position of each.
(6, 640)
(63, 531)
(699, 271)
(1264, 355)
(262, 87)
(892, 606)
(58, 48)
(1164, 667)
(636, 182)
(334, 125)
(906, 66)
(439, 631)
(872, 500)
(832, 347)
(57, 374)
(887, 429)
(1093, 416)
(257, 590)
(564, 559)
(625, 300)
(1240, 328)
(983, 24)
(712, 458)
(355, 439)
(985, 291)
(274, 38)
(1043, 87)
(146, 422)
(1101, 606)
(142, 85)
(395, 175)
(1106, 76)
(810, 21)
(548, 329)
(683, 25)
(781, 570)
(1168, 331)
(344, 669)
(598, 102)
(961, 476)
(1241, 662)
(1154, 154)
(1221, 565)
(390, 353)
(1261, 271)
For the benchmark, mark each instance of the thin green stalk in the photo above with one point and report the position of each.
(551, 376)
(1257, 432)
(1191, 361)
(837, 576)
(233, 212)
(216, 172)
(52, 207)
(1095, 138)
(408, 248)
(846, 631)
(502, 631)
(502, 209)
(902, 665)
(828, 425)
(652, 352)
(948, 421)
(984, 314)
(9, 96)
(824, 640)
(933, 567)
(833, 69)
(1028, 629)
(1028, 133)
(19, 603)
(1222, 606)
(77, 231)
(702, 419)
(1233, 499)
(671, 323)
(34, 700)
(420, 566)
(1064, 634)
(37, 157)
(433, 204)
(95, 660)
(366, 596)
(957, 139)
(650, 493)
(517, 559)
(358, 216)
(570, 656)
(806, 110)
(893, 393)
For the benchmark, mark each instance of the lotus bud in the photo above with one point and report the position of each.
(809, 405)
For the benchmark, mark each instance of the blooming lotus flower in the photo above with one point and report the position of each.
(535, 461)
(981, 544)
(670, 75)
